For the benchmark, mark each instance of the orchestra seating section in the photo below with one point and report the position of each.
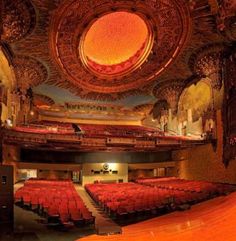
(174, 183)
(211, 220)
(133, 200)
(57, 200)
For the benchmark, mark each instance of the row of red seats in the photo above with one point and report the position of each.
(128, 198)
(188, 185)
(57, 200)
(48, 182)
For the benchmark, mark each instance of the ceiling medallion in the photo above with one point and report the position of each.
(164, 30)
(128, 39)
(18, 19)
(171, 92)
(29, 72)
(207, 62)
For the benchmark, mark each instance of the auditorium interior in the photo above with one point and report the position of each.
(118, 120)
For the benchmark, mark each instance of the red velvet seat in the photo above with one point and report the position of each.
(54, 199)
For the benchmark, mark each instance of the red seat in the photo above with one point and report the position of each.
(55, 199)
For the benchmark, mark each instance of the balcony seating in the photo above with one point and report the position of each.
(56, 200)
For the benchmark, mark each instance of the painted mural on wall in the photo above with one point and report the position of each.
(195, 116)
(197, 98)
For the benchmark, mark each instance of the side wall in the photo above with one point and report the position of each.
(11, 156)
(149, 170)
(205, 163)
(51, 171)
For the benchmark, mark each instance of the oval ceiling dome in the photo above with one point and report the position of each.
(115, 43)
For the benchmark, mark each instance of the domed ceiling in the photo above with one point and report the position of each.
(126, 39)
(73, 24)
(115, 51)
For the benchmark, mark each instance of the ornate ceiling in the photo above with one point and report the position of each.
(187, 39)
(18, 20)
(127, 40)
(29, 72)
(69, 21)
(42, 101)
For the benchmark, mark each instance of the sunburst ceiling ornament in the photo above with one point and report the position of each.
(115, 44)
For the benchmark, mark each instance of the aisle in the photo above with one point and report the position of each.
(103, 224)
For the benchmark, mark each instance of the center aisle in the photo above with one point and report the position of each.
(103, 224)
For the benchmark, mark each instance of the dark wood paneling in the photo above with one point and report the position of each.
(229, 108)
(6, 199)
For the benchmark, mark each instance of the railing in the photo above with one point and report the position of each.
(119, 131)
(42, 138)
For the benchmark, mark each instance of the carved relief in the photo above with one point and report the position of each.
(171, 92)
(18, 19)
(230, 29)
(209, 120)
(29, 72)
(210, 65)
(160, 110)
(40, 100)
(229, 114)
(227, 9)
(170, 24)
(145, 108)
(207, 62)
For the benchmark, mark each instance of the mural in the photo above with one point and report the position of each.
(197, 98)
(195, 115)
(60, 96)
